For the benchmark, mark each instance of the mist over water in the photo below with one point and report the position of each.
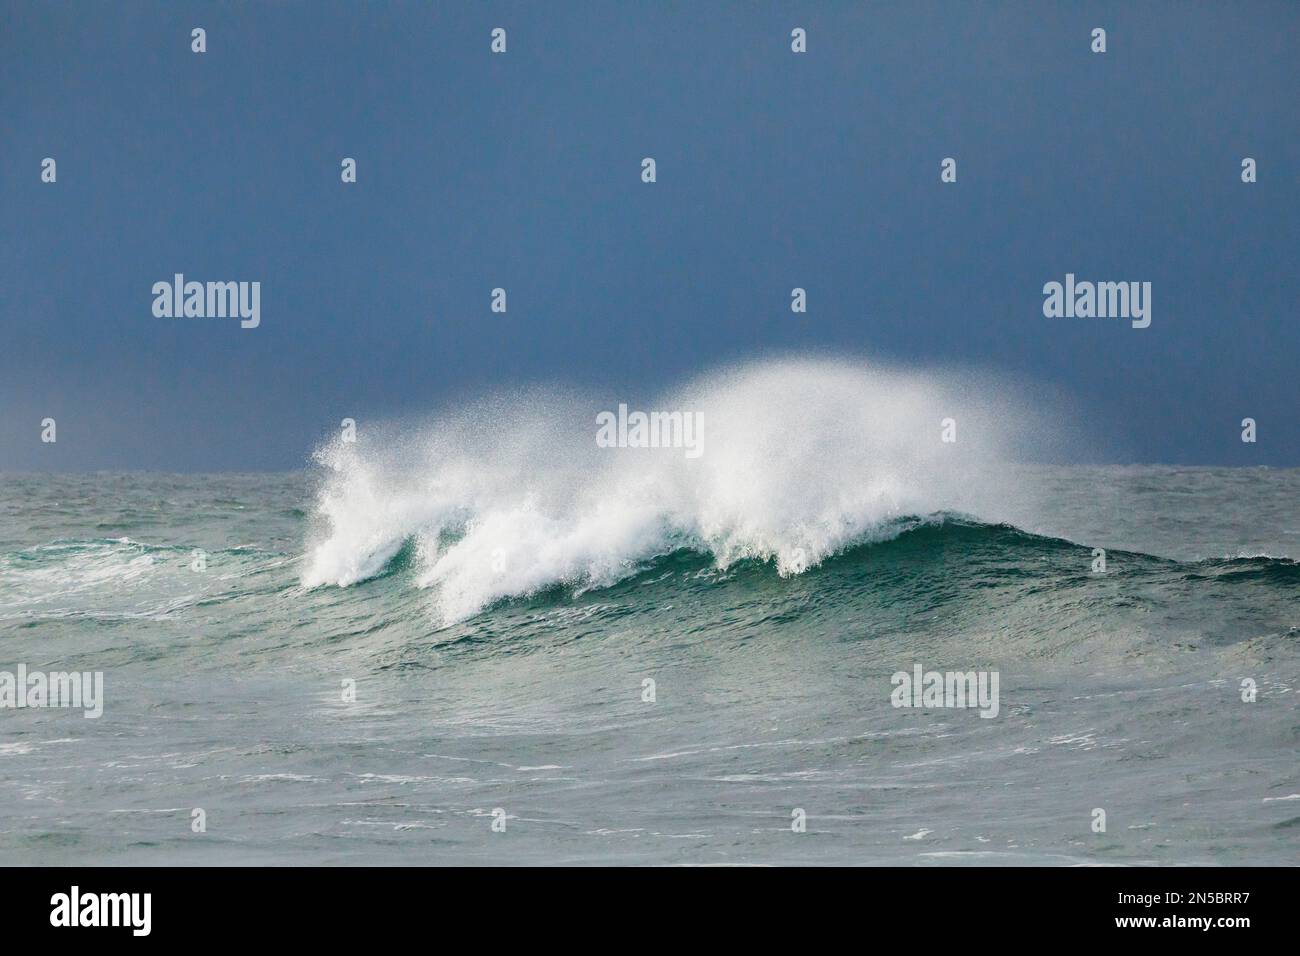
(799, 459)
(498, 590)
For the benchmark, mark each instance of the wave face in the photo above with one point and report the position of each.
(800, 459)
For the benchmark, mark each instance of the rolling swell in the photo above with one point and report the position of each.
(917, 579)
(944, 578)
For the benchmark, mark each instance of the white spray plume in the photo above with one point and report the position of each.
(801, 458)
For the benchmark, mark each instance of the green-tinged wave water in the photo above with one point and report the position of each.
(968, 574)
(675, 706)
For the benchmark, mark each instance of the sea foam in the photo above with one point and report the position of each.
(803, 458)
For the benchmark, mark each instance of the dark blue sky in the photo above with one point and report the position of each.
(775, 170)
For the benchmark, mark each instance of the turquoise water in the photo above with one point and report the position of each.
(224, 687)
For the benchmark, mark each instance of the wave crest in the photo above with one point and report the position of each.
(801, 458)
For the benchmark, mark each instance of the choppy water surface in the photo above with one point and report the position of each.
(500, 591)
(223, 690)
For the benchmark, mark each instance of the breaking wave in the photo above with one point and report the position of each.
(800, 460)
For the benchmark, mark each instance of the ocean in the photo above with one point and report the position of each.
(482, 639)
